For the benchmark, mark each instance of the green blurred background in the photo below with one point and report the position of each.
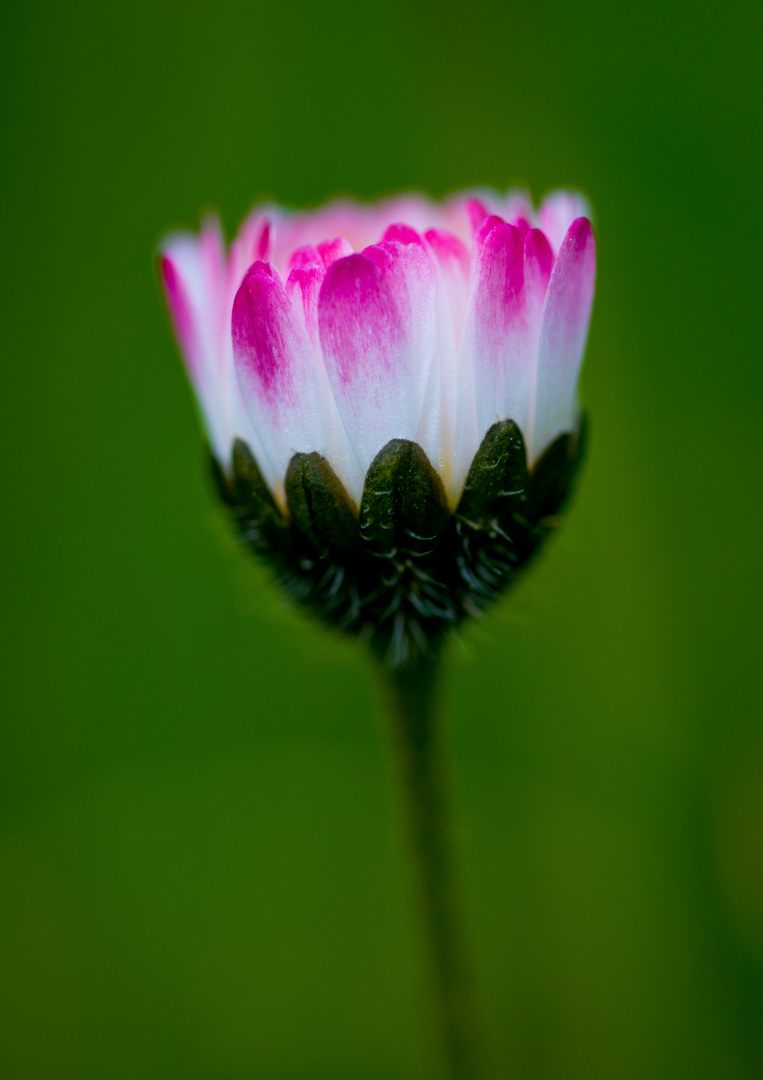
(202, 870)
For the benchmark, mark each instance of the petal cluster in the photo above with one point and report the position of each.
(338, 330)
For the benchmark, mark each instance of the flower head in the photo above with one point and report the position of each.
(390, 394)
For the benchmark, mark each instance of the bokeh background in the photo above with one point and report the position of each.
(202, 870)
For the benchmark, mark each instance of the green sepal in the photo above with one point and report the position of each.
(497, 482)
(251, 490)
(261, 521)
(555, 472)
(223, 485)
(320, 507)
(407, 571)
(403, 505)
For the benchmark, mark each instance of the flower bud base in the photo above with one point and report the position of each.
(405, 570)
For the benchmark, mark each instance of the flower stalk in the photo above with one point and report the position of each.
(412, 693)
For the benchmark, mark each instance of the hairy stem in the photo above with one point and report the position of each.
(413, 697)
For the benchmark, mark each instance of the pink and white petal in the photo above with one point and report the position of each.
(502, 352)
(465, 212)
(477, 212)
(448, 250)
(539, 261)
(478, 241)
(563, 335)
(276, 368)
(558, 211)
(516, 206)
(217, 294)
(360, 224)
(417, 211)
(304, 256)
(194, 318)
(303, 287)
(367, 353)
(469, 208)
(213, 255)
(264, 241)
(213, 276)
(496, 364)
(331, 250)
(174, 270)
(456, 218)
(409, 269)
(259, 225)
(339, 218)
(401, 233)
(451, 261)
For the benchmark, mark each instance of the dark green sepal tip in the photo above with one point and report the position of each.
(223, 486)
(251, 489)
(320, 508)
(403, 508)
(555, 473)
(497, 481)
(260, 522)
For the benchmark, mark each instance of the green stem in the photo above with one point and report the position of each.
(413, 694)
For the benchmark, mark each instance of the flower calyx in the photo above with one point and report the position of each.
(405, 570)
